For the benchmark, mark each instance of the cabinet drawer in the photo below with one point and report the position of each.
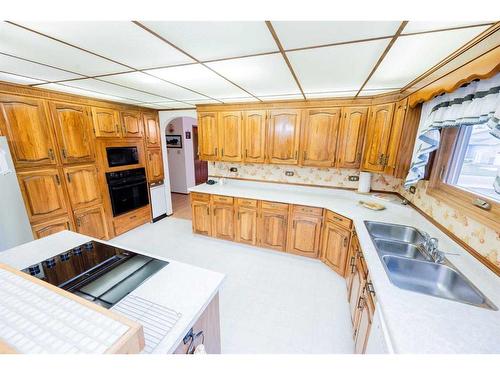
(222, 199)
(338, 219)
(247, 202)
(201, 197)
(266, 205)
(308, 210)
(130, 220)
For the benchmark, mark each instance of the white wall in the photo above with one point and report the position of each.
(165, 118)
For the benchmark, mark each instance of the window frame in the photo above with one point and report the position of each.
(456, 197)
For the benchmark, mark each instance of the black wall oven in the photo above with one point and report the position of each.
(120, 156)
(128, 190)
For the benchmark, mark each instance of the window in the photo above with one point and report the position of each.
(475, 161)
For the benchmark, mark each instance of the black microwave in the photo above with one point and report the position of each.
(118, 156)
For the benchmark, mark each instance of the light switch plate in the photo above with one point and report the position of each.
(353, 178)
(289, 173)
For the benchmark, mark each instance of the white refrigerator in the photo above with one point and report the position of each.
(15, 227)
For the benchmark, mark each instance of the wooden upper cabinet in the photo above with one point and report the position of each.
(106, 122)
(208, 141)
(378, 134)
(230, 136)
(396, 133)
(304, 234)
(254, 136)
(154, 164)
(319, 137)
(43, 193)
(72, 124)
(272, 229)
(83, 186)
(25, 123)
(351, 137)
(92, 222)
(152, 128)
(334, 247)
(283, 136)
(132, 126)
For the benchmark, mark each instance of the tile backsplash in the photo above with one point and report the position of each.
(483, 239)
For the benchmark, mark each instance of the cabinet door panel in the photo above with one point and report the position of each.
(230, 136)
(201, 218)
(246, 226)
(396, 133)
(43, 194)
(284, 136)
(155, 164)
(378, 135)
(29, 134)
(335, 247)
(208, 136)
(272, 230)
(319, 137)
(363, 326)
(223, 221)
(254, 124)
(304, 235)
(106, 122)
(51, 226)
(132, 125)
(83, 186)
(356, 290)
(72, 125)
(351, 136)
(91, 222)
(152, 130)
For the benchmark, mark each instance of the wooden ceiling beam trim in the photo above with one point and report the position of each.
(384, 54)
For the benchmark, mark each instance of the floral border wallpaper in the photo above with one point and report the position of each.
(483, 239)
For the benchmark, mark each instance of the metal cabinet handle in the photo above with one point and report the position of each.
(78, 222)
(369, 287)
(58, 180)
(64, 153)
(51, 154)
(361, 302)
(345, 241)
(296, 155)
(68, 176)
(305, 155)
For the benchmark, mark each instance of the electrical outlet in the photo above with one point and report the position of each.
(353, 178)
(289, 173)
(413, 189)
(233, 169)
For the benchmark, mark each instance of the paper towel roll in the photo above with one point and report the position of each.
(364, 182)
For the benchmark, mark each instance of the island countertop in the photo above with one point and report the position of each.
(170, 287)
(413, 322)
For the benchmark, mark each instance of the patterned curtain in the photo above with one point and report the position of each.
(474, 104)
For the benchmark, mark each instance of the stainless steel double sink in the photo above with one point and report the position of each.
(408, 266)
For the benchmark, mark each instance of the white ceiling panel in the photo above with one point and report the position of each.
(199, 78)
(153, 85)
(13, 78)
(298, 34)
(214, 40)
(163, 105)
(122, 41)
(261, 75)
(92, 94)
(375, 92)
(282, 97)
(174, 105)
(27, 68)
(26, 44)
(401, 65)
(203, 101)
(337, 68)
(331, 94)
(248, 99)
(114, 90)
(421, 26)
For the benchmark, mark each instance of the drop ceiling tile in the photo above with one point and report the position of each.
(201, 79)
(26, 68)
(176, 105)
(331, 94)
(114, 90)
(92, 94)
(215, 40)
(153, 85)
(26, 44)
(298, 34)
(166, 105)
(203, 101)
(282, 97)
(400, 65)
(122, 41)
(248, 99)
(13, 78)
(337, 68)
(261, 75)
(420, 26)
(376, 92)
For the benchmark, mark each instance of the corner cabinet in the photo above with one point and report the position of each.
(334, 246)
(284, 136)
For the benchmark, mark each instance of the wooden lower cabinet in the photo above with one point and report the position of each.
(246, 225)
(304, 235)
(132, 219)
(91, 222)
(51, 226)
(83, 186)
(201, 221)
(272, 229)
(335, 246)
(223, 221)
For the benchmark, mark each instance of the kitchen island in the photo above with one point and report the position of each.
(190, 291)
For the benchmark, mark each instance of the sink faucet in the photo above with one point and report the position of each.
(431, 247)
